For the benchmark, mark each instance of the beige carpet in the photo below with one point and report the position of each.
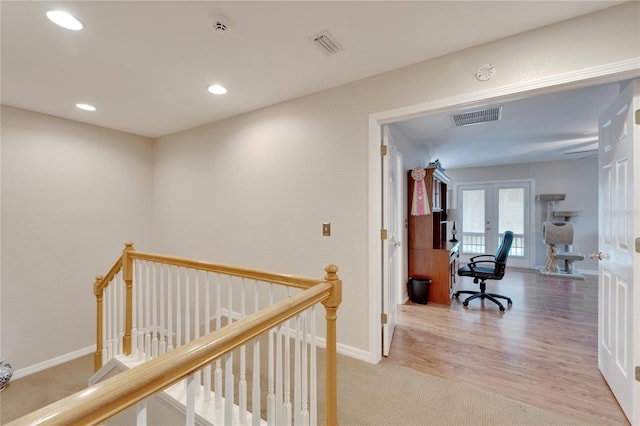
(383, 394)
(390, 394)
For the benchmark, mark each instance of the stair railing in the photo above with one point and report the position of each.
(129, 326)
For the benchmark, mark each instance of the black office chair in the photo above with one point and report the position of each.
(487, 267)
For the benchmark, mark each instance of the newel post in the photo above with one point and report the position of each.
(99, 293)
(331, 308)
(127, 274)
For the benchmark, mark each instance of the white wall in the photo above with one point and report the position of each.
(255, 188)
(72, 195)
(578, 179)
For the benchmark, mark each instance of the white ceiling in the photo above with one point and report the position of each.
(146, 65)
(548, 127)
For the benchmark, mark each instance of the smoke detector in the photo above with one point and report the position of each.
(220, 24)
(326, 43)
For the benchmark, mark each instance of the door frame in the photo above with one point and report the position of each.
(582, 78)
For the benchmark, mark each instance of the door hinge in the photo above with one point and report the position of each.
(383, 318)
(383, 150)
(383, 234)
(637, 116)
(637, 373)
(637, 245)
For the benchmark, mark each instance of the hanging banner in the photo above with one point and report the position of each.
(420, 201)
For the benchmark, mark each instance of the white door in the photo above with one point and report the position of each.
(391, 246)
(486, 210)
(618, 280)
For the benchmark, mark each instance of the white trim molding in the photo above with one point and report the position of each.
(53, 362)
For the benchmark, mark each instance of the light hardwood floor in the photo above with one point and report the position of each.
(542, 351)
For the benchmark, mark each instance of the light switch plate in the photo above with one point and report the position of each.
(326, 229)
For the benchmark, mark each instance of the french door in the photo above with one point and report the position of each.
(485, 211)
(619, 250)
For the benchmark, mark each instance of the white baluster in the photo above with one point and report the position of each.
(114, 317)
(228, 389)
(139, 291)
(105, 325)
(178, 308)
(154, 306)
(287, 374)
(313, 386)
(218, 371)
(229, 300)
(108, 313)
(271, 397)
(119, 313)
(191, 401)
(134, 312)
(242, 385)
(170, 308)
(305, 372)
(255, 398)
(186, 317)
(163, 342)
(141, 413)
(147, 299)
(207, 330)
(297, 373)
(196, 320)
(187, 308)
(279, 375)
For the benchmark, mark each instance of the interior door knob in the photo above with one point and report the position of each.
(599, 256)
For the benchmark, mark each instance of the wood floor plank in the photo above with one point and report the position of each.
(542, 351)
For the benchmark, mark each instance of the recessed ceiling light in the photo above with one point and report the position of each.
(216, 89)
(64, 19)
(86, 107)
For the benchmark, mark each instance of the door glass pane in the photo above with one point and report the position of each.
(473, 221)
(511, 204)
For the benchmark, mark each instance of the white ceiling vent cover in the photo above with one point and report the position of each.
(478, 116)
(326, 43)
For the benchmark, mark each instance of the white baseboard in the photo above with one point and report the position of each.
(352, 352)
(53, 362)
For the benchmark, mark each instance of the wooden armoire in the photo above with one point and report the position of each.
(431, 254)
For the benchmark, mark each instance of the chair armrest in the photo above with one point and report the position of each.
(472, 265)
(481, 255)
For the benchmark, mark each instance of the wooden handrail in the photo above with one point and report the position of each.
(104, 400)
(106, 279)
(288, 280)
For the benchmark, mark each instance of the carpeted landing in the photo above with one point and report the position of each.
(383, 394)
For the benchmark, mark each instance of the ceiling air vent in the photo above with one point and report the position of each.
(326, 43)
(479, 116)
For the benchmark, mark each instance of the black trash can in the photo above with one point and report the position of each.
(419, 290)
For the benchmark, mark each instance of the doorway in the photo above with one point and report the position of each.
(614, 72)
